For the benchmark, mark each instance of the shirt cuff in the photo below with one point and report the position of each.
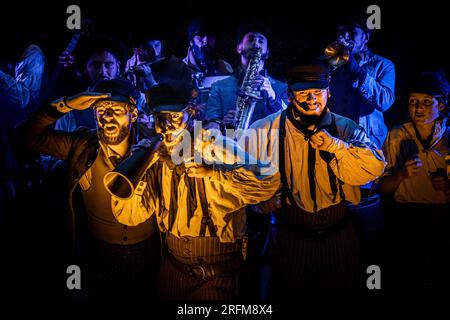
(61, 105)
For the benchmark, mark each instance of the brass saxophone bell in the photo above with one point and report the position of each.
(337, 54)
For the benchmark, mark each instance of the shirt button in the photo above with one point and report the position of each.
(125, 227)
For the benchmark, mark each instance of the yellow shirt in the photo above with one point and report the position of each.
(227, 193)
(418, 188)
(356, 160)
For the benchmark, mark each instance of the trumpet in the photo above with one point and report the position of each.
(337, 53)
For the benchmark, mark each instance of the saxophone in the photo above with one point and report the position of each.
(247, 96)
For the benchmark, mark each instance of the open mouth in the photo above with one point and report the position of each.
(313, 107)
(110, 129)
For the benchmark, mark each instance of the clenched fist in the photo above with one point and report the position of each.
(412, 168)
(322, 140)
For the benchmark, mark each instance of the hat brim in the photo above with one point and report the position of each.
(120, 98)
(117, 98)
(298, 86)
(168, 107)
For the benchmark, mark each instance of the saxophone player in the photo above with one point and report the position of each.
(222, 106)
(224, 94)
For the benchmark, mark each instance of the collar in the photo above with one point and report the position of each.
(324, 123)
(440, 127)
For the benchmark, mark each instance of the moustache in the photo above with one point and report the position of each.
(113, 121)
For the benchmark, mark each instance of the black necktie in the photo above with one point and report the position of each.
(191, 200)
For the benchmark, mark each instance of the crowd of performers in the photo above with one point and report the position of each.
(315, 190)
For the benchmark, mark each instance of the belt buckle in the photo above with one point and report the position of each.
(321, 232)
(198, 272)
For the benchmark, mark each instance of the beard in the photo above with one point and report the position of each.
(114, 139)
(204, 54)
(309, 119)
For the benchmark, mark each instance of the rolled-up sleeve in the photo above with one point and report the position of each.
(245, 186)
(357, 161)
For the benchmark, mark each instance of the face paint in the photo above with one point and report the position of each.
(114, 121)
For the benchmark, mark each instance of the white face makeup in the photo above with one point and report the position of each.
(171, 125)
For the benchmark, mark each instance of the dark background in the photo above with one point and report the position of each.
(414, 35)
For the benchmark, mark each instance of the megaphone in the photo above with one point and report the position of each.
(122, 182)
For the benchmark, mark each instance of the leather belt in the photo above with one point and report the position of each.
(201, 272)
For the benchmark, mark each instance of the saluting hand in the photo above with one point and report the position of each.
(84, 100)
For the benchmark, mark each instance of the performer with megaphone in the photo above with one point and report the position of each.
(199, 205)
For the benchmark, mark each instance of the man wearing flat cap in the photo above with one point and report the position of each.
(113, 257)
(198, 205)
(311, 250)
(202, 51)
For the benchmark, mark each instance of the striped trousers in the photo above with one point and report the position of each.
(298, 265)
(175, 284)
(125, 272)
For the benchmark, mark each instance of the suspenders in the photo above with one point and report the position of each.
(285, 190)
(206, 217)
